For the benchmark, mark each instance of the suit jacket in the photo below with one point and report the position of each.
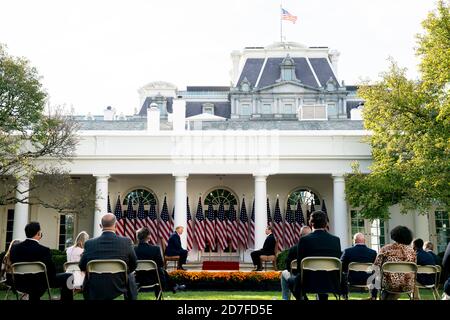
(268, 248)
(437, 260)
(174, 247)
(145, 251)
(446, 262)
(29, 251)
(107, 246)
(357, 253)
(424, 259)
(319, 243)
(292, 255)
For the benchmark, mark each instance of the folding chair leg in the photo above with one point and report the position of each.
(7, 293)
(435, 293)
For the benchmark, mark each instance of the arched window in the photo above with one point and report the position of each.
(306, 197)
(147, 197)
(218, 195)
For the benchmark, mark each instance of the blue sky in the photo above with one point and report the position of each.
(92, 54)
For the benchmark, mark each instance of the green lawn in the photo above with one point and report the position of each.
(228, 295)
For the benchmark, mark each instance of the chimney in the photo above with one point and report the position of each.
(179, 115)
(334, 58)
(108, 114)
(235, 58)
(153, 114)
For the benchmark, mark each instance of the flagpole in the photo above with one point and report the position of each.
(281, 22)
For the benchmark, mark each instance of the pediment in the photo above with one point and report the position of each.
(289, 87)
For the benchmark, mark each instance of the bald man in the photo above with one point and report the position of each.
(109, 246)
(358, 253)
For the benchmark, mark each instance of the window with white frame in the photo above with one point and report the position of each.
(266, 108)
(332, 110)
(373, 230)
(313, 112)
(288, 108)
(245, 109)
(442, 222)
(208, 108)
(66, 231)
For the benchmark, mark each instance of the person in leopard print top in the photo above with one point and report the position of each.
(399, 251)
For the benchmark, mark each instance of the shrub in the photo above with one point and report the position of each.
(281, 259)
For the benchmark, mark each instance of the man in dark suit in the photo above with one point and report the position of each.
(31, 250)
(109, 246)
(174, 247)
(423, 259)
(446, 272)
(268, 249)
(429, 247)
(146, 251)
(318, 243)
(358, 253)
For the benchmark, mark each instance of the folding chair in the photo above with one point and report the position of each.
(401, 268)
(359, 267)
(439, 273)
(293, 268)
(167, 259)
(147, 266)
(72, 267)
(328, 264)
(8, 288)
(272, 258)
(29, 268)
(430, 270)
(107, 266)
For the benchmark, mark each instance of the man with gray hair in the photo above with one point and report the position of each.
(358, 253)
(109, 246)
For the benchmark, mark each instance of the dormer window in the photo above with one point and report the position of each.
(208, 108)
(287, 67)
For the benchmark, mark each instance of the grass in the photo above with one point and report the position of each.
(229, 295)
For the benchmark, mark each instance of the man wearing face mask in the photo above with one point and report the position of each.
(31, 250)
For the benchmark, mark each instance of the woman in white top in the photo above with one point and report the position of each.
(74, 255)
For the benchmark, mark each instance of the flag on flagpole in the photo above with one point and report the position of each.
(152, 224)
(242, 230)
(120, 218)
(289, 226)
(109, 205)
(190, 227)
(299, 221)
(165, 228)
(200, 226)
(278, 225)
(131, 223)
(232, 228)
(221, 227)
(285, 15)
(269, 216)
(172, 220)
(141, 216)
(252, 226)
(210, 230)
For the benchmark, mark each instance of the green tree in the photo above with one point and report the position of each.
(30, 131)
(409, 120)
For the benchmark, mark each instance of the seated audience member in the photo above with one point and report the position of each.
(429, 247)
(399, 251)
(74, 255)
(146, 251)
(319, 243)
(268, 249)
(287, 275)
(446, 272)
(174, 247)
(31, 250)
(5, 271)
(423, 258)
(109, 246)
(358, 253)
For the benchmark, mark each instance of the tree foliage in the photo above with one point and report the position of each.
(409, 121)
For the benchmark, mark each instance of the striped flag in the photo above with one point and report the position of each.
(152, 224)
(278, 225)
(109, 205)
(311, 210)
(324, 210)
(200, 226)
(190, 229)
(285, 15)
(242, 229)
(141, 216)
(269, 216)
(172, 220)
(299, 221)
(252, 226)
(221, 227)
(232, 228)
(120, 218)
(210, 230)
(165, 228)
(289, 227)
(131, 220)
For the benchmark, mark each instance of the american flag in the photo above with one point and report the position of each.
(269, 216)
(190, 229)
(131, 223)
(165, 227)
(252, 226)
(109, 205)
(221, 227)
(278, 225)
(172, 220)
(299, 221)
(289, 227)
(152, 224)
(232, 228)
(141, 216)
(210, 230)
(200, 226)
(285, 15)
(120, 218)
(242, 230)
(324, 210)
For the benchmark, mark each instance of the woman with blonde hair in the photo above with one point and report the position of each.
(74, 255)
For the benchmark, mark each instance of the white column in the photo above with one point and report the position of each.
(340, 210)
(101, 202)
(421, 226)
(180, 218)
(21, 209)
(260, 210)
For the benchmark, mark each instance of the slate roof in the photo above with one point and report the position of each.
(251, 70)
(221, 108)
(148, 101)
(207, 88)
(322, 69)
